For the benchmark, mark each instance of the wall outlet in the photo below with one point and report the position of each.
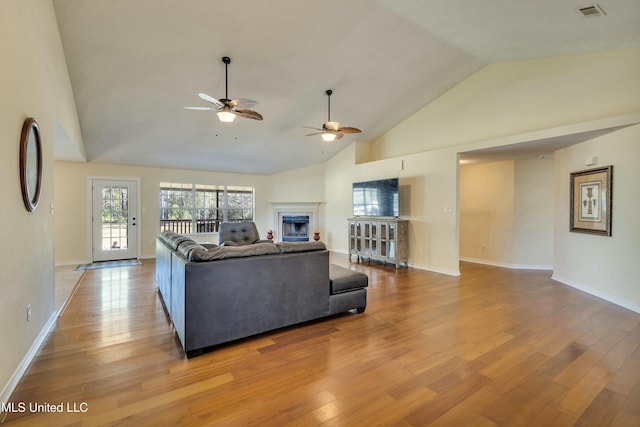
(483, 248)
(28, 312)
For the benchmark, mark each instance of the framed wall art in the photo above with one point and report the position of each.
(591, 201)
(30, 164)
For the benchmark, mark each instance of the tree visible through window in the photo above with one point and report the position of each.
(200, 208)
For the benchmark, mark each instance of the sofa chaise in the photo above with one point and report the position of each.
(245, 286)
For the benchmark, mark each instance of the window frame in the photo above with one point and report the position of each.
(203, 207)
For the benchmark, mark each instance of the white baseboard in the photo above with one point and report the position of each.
(419, 267)
(507, 265)
(446, 271)
(82, 262)
(340, 252)
(28, 358)
(597, 293)
(67, 263)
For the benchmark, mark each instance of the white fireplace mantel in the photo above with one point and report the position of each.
(280, 209)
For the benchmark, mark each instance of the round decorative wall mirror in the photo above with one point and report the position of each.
(30, 163)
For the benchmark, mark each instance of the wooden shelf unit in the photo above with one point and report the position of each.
(379, 239)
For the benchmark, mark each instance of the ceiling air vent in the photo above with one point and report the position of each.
(594, 10)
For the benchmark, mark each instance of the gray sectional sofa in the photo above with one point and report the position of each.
(216, 294)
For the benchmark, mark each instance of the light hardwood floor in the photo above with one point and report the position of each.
(66, 281)
(493, 347)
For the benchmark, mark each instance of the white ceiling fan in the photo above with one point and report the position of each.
(227, 109)
(331, 131)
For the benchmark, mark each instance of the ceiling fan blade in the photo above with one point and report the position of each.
(242, 103)
(349, 130)
(309, 127)
(247, 114)
(200, 108)
(332, 128)
(211, 99)
(314, 133)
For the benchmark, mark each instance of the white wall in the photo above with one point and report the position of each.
(605, 266)
(34, 82)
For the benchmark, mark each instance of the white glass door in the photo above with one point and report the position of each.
(115, 219)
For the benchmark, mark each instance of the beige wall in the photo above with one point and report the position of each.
(517, 97)
(487, 212)
(72, 202)
(428, 199)
(500, 100)
(298, 185)
(34, 83)
(506, 213)
(501, 104)
(533, 213)
(603, 266)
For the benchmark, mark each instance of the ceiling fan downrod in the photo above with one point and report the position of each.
(329, 92)
(226, 61)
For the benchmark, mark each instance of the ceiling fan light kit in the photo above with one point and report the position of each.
(331, 131)
(226, 116)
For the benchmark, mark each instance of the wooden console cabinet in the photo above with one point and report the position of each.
(379, 239)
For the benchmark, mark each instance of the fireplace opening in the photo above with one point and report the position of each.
(295, 228)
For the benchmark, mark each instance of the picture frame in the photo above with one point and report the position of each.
(591, 201)
(30, 163)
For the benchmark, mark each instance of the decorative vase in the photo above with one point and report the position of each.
(270, 234)
(316, 236)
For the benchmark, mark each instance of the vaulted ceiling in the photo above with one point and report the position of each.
(135, 64)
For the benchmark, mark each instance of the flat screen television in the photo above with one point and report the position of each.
(376, 198)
